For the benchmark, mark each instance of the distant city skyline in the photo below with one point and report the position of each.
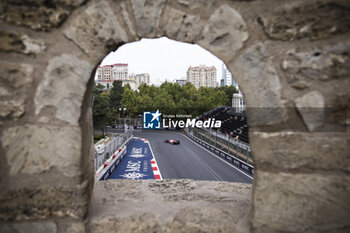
(162, 58)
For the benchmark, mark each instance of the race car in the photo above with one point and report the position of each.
(172, 141)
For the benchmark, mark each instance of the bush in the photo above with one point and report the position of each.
(98, 137)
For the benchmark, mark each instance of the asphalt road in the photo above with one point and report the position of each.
(188, 160)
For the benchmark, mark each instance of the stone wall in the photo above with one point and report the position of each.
(290, 58)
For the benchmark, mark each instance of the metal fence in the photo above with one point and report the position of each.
(229, 145)
(113, 145)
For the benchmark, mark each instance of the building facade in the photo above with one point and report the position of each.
(202, 76)
(238, 101)
(106, 75)
(227, 78)
(142, 78)
(181, 81)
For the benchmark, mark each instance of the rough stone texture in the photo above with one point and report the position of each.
(169, 206)
(29, 227)
(42, 148)
(307, 19)
(196, 4)
(77, 227)
(127, 19)
(70, 75)
(94, 27)
(147, 16)
(301, 202)
(255, 70)
(221, 38)
(45, 202)
(298, 150)
(37, 14)
(45, 173)
(12, 42)
(317, 64)
(32, 46)
(15, 80)
(311, 107)
(184, 27)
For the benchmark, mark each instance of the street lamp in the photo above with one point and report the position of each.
(120, 112)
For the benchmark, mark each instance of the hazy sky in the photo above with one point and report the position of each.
(162, 58)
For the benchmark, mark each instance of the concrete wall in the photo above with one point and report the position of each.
(286, 56)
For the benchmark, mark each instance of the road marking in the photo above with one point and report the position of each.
(154, 164)
(217, 177)
(216, 156)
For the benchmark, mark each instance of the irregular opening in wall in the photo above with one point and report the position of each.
(169, 110)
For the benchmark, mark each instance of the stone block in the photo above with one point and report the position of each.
(311, 108)
(299, 150)
(196, 4)
(255, 71)
(289, 202)
(32, 149)
(12, 42)
(307, 19)
(314, 64)
(147, 16)
(225, 33)
(29, 227)
(38, 15)
(127, 19)
(181, 26)
(96, 27)
(44, 202)
(64, 86)
(169, 206)
(15, 81)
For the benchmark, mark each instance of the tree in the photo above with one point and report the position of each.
(101, 115)
(229, 91)
(172, 98)
(116, 94)
(97, 89)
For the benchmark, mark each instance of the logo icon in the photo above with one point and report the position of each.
(133, 175)
(151, 120)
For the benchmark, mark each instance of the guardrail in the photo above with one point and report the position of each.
(235, 161)
(111, 164)
(105, 153)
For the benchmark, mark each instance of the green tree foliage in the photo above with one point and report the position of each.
(172, 98)
(169, 98)
(229, 91)
(116, 94)
(103, 114)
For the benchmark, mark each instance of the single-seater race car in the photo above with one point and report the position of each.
(172, 141)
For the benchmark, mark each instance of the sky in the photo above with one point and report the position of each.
(162, 58)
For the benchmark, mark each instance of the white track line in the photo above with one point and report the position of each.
(216, 156)
(154, 157)
(211, 171)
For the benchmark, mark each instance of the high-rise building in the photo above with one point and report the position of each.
(222, 83)
(202, 76)
(227, 77)
(142, 78)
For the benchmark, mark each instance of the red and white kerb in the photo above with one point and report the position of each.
(157, 175)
